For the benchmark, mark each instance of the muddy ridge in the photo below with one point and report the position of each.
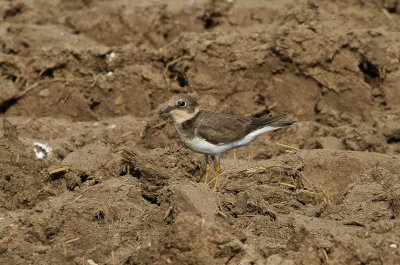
(90, 174)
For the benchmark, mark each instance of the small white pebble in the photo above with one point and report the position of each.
(44, 93)
(112, 56)
(393, 245)
(41, 150)
(91, 262)
(111, 126)
(110, 73)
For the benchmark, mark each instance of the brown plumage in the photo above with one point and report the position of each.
(223, 128)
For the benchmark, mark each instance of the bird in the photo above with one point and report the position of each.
(213, 133)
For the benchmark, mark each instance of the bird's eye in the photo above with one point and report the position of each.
(181, 103)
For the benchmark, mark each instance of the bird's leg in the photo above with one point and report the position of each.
(218, 170)
(208, 168)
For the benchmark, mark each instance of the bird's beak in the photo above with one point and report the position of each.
(166, 110)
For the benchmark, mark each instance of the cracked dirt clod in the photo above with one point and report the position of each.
(87, 79)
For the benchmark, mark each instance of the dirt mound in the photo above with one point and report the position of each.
(90, 174)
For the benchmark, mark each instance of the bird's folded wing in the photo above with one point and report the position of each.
(221, 128)
(278, 121)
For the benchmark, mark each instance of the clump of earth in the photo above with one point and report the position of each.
(90, 174)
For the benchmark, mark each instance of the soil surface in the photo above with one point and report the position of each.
(90, 174)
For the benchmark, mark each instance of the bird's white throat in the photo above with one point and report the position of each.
(180, 116)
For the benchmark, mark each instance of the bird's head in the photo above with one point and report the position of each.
(182, 108)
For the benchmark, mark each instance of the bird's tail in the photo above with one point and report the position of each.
(277, 122)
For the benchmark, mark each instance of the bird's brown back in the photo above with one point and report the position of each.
(220, 128)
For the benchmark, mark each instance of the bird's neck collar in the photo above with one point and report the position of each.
(181, 117)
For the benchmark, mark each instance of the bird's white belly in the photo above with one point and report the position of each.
(200, 145)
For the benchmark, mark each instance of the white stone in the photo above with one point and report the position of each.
(41, 150)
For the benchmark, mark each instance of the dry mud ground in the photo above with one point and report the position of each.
(88, 77)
